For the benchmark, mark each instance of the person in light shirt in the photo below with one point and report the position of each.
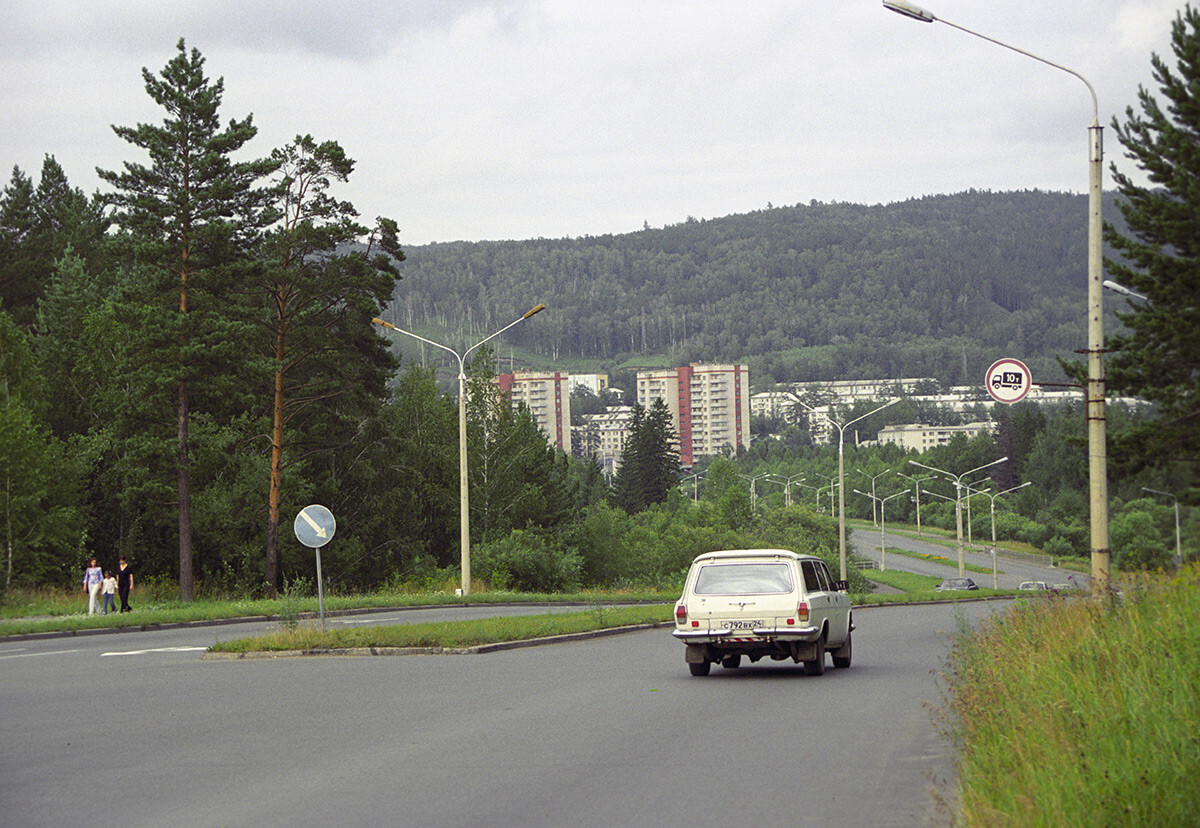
(93, 577)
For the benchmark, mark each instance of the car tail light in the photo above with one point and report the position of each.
(802, 612)
(681, 612)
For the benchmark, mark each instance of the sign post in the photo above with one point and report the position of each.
(1008, 380)
(314, 527)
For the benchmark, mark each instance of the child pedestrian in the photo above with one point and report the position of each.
(92, 578)
(109, 588)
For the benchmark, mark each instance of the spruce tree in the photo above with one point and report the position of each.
(1158, 358)
(650, 462)
(189, 218)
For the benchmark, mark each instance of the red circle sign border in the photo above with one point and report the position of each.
(1028, 383)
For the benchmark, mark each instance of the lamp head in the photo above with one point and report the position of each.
(909, 10)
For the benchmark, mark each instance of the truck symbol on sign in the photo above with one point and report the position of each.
(1008, 379)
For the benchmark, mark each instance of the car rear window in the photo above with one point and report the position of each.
(744, 579)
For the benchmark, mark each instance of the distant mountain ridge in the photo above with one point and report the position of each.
(939, 286)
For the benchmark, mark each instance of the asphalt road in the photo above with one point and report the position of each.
(136, 729)
(1010, 572)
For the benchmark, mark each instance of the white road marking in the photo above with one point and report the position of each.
(155, 650)
(30, 655)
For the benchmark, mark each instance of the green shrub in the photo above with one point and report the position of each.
(526, 561)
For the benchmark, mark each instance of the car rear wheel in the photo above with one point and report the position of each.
(816, 667)
(700, 668)
(842, 655)
(731, 662)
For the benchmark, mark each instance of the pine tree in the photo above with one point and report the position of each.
(190, 216)
(314, 302)
(1159, 358)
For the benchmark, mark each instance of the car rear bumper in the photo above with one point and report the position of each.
(758, 633)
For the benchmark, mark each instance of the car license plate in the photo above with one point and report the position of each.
(740, 625)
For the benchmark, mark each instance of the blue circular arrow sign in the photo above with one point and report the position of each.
(314, 526)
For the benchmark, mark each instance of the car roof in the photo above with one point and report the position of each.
(736, 554)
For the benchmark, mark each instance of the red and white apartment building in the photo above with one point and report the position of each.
(547, 395)
(709, 404)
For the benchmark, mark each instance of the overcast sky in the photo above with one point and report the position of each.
(518, 119)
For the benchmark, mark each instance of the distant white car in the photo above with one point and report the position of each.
(763, 602)
(1033, 585)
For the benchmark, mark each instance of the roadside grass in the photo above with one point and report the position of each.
(44, 610)
(450, 634)
(1078, 713)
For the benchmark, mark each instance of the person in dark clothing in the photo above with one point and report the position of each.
(124, 582)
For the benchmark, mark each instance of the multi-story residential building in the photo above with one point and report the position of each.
(547, 396)
(709, 405)
(596, 383)
(922, 437)
(603, 436)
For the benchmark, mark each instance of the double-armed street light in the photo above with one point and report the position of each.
(882, 523)
(788, 482)
(873, 498)
(957, 479)
(463, 495)
(842, 473)
(695, 478)
(917, 493)
(992, 498)
(1097, 449)
(753, 480)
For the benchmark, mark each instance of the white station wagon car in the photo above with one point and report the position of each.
(763, 602)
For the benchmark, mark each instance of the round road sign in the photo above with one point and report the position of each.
(314, 526)
(1008, 380)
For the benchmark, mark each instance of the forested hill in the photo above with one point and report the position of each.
(938, 286)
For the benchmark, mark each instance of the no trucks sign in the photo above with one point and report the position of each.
(1008, 380)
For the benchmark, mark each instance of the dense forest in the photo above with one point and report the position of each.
(939, 286)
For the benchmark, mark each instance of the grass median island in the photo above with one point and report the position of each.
(1081, 713)
(451, 634)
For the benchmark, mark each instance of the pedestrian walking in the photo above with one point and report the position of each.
(93, 577)
(124, 582)
(108, 588)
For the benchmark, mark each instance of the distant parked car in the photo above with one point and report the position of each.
(1033, 585)
(953, 584)
(763, 603)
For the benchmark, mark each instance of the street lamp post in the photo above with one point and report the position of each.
(695, 478)
(842, 474)
(464, 521)
(970, 494)
(882, 524)
(1178, 536)
(753, 480)
(958, 498)
(917, 491)
(873, 498)
(817, 503)
(992, 498)
(1097, 449)
(787, 485)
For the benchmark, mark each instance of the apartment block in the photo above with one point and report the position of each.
(709, 405)
(922, 437)
(603, 436)
(547, 395)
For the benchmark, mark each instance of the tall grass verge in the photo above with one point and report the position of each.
(1081, 713)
